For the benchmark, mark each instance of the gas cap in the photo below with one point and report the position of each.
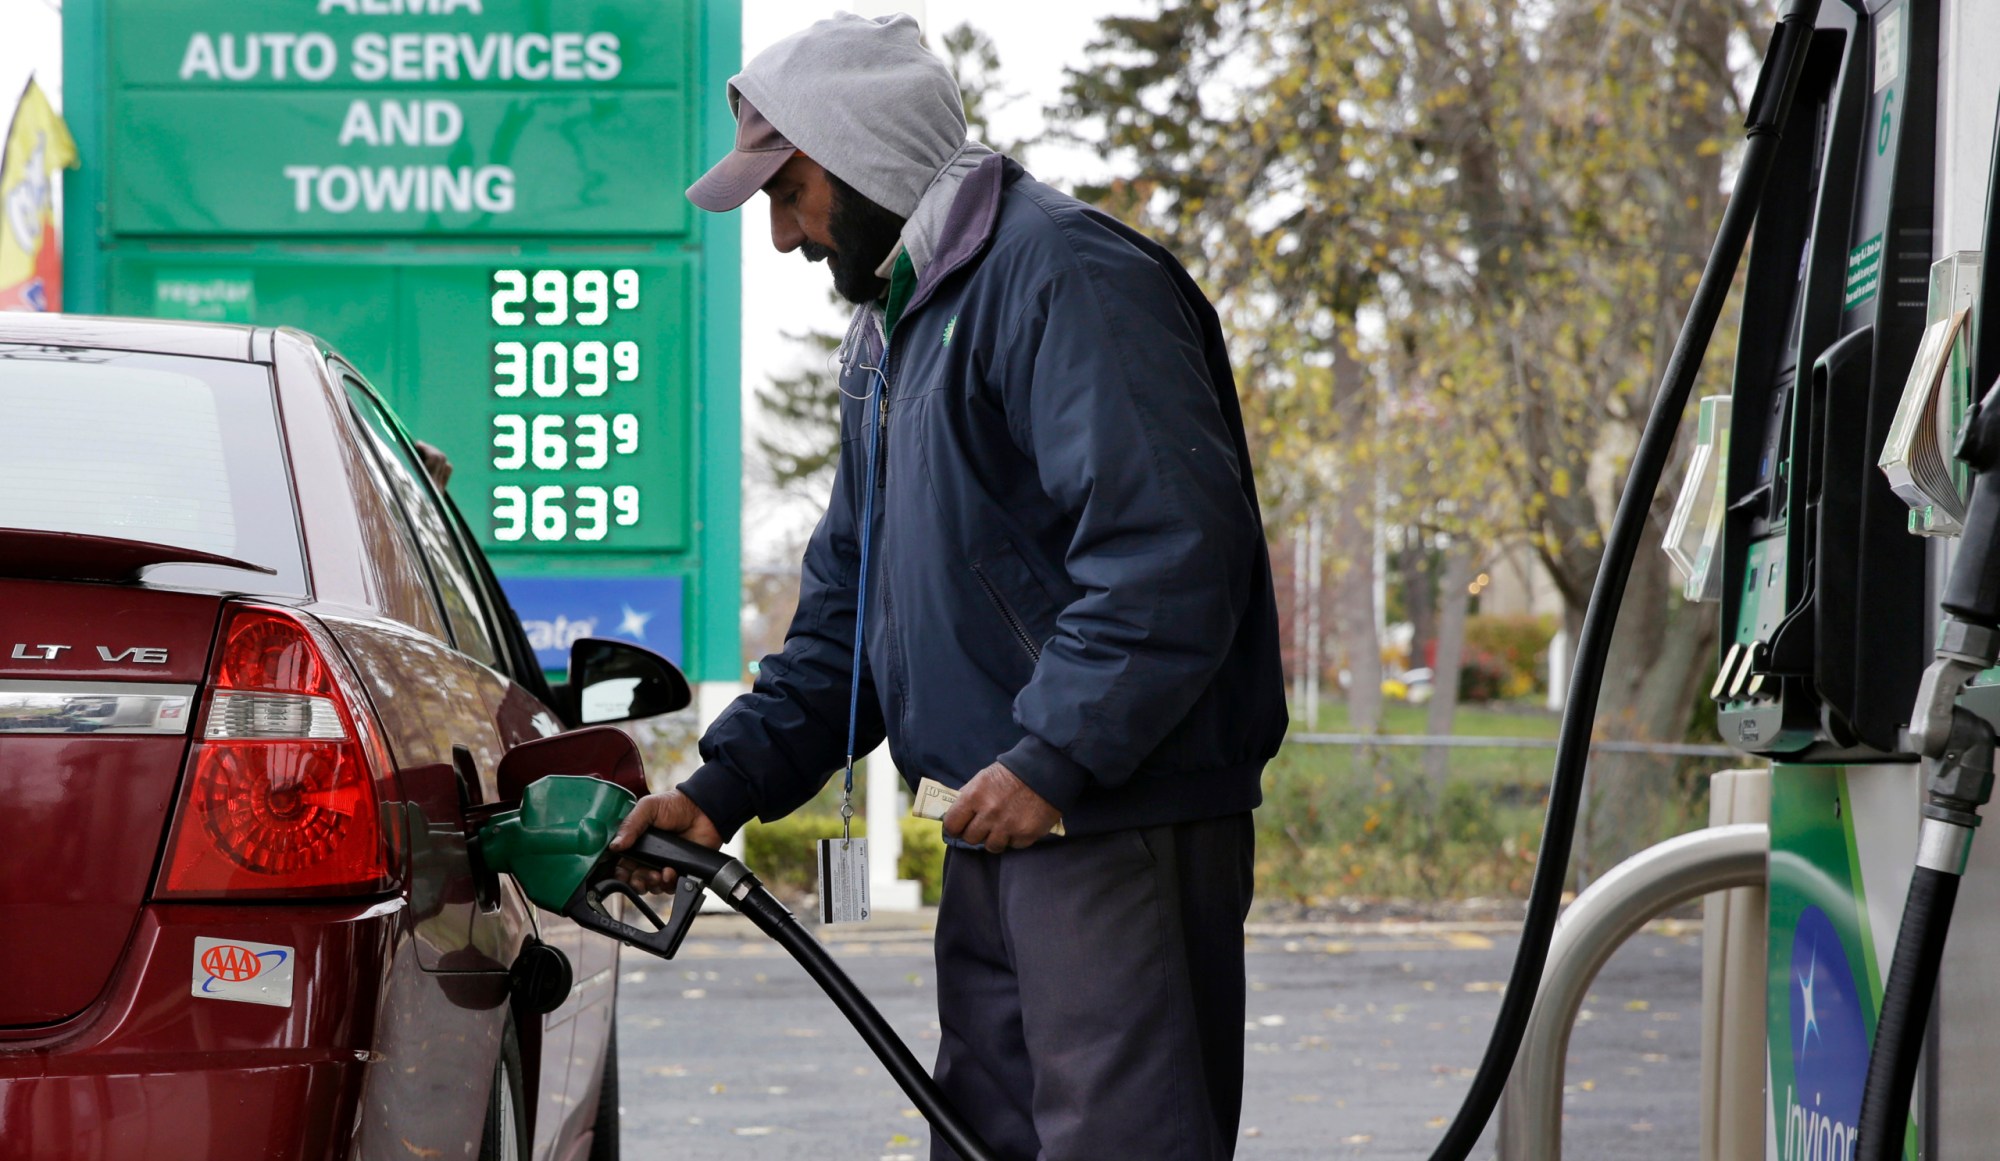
(540, 977)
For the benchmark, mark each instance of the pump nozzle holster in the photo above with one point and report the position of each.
(1958, 745)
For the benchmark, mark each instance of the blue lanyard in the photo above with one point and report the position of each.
(881, 420)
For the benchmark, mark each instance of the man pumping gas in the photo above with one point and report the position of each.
(1041, 578)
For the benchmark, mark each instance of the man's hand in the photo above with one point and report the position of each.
(1000, 812)
(673, 812)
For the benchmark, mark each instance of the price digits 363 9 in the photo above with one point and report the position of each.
(545, 441)
(547, 513)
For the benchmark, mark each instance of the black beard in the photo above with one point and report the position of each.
(863, 234)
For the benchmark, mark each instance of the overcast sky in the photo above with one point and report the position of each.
(781, 293)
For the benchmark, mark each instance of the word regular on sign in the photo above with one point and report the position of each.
(562, 455)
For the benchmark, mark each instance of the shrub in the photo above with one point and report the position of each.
(1505, 656)
(782, 853)
(1361, 823)
(923, 857)
(1485, 677)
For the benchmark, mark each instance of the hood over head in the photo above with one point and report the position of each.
(865, 99)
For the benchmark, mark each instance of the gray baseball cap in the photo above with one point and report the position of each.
(760, 152)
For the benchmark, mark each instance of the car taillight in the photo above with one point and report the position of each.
(281, 793)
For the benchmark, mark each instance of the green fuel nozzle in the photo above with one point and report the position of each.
(556, 837)
(554, 845)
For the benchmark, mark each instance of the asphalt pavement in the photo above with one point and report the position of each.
(1362, 1040)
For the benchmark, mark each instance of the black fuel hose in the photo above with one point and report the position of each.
(774, 920)
(741, 890)
(1906, 1011)
(1770, 105)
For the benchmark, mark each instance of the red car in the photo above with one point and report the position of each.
(256, 684)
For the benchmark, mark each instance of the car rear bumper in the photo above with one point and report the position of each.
(240, 1112)
(153, 1070)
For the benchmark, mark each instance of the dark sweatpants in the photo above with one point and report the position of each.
(1090, 992)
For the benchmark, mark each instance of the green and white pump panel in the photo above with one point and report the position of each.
(478, 203)
(1819, 511)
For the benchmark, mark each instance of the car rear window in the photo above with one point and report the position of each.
(158, 448)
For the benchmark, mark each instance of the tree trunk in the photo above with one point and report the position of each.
(1453, 602)
(1315, 633)
(1298, 614)
(1660, 656)
(1354, 602)
(1413, 566)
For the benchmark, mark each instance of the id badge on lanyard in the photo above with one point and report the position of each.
(842, 864)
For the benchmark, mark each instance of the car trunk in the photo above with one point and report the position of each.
(98, 687)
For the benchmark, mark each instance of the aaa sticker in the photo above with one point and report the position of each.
(235, 969)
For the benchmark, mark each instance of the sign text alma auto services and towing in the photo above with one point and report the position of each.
(402, 57)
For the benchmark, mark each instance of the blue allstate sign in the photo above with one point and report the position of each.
(558, 610)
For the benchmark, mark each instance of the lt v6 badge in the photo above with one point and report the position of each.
(135, 654)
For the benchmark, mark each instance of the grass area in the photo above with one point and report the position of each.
(1336, 820)
(1352, 820)
(1520, 770)
(1365, 820)
(1524, 719)
(783, 851)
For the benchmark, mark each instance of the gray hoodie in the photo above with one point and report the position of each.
(868, 101)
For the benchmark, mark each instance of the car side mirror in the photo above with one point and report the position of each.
(599, 752)
(617, 681)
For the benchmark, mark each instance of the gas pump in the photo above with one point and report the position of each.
(1823, 589)
(1830, 324)
(1952, 723)
(1844, 519)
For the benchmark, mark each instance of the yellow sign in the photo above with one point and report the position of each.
(38, 144)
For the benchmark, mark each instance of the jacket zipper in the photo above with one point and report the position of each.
(895, 659)
(882, 427)
(1007, 613)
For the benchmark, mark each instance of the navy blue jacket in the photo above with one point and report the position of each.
(1068, 566)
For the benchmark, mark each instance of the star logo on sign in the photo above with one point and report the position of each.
(634, 624)
(1806, 994)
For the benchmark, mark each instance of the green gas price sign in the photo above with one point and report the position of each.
(478, 203)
